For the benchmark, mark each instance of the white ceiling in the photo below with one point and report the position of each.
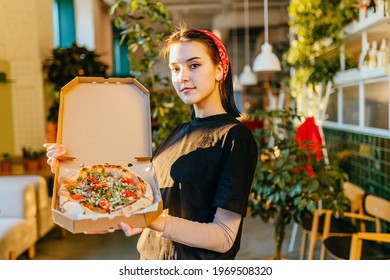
(220, 14)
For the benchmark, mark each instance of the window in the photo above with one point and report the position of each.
(63, 23)
(351, 105)
(376, 105)
(332, 109)
(121, 59)
(363, 106)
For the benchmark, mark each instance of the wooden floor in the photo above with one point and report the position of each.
(257, 243)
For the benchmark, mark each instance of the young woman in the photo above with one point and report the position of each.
(205, 167)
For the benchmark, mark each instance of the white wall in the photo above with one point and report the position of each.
(25, 38)
(93, 28)
(84, 23)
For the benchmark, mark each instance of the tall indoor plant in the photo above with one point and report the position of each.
(284, 189)
(144, 25)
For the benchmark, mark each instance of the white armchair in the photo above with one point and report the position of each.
(44, 216)
(18, 222)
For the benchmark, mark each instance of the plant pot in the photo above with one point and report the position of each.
(43, 163)
(6, 166)
(32, 165)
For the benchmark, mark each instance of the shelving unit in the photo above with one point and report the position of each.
(376, 23)
(361, 102)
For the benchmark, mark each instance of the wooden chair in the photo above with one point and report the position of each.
(364, 245)
(314, 227)
(372, 244)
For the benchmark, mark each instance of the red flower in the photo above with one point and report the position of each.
(309, 137)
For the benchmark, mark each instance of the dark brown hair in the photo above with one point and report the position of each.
(183, 33)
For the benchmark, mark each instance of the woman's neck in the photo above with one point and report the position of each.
(207, 112)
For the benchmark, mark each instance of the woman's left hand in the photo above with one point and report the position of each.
(53, 152)
(130, 231)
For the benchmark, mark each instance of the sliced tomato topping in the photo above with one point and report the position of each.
(93, 179)
(77, 197)
(128, 193)
(99, 186)
(128, 181)
(104, 204)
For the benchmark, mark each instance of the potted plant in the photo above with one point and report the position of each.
(289, 180)
(143, 26)
(6, 163)
(30, 159)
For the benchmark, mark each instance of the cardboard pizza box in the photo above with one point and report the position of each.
(105, 121)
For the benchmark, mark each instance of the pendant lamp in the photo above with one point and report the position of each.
(247, 77)
(266, 61)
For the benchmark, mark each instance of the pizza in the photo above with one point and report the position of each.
(105, 189)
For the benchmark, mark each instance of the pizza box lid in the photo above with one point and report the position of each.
(105, 120)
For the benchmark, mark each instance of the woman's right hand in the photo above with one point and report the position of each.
(53, 151)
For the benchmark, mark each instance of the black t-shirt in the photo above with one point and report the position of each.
(204, 164)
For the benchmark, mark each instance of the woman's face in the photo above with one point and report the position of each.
(194, 75)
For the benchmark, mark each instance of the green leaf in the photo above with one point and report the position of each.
(133, 48)
(134, 5)
(313, 185)
(311, 206)
(283, 195)
(297, 200)
(276, 197)
(301, 205)
(113, 8)
(275, 179)
(281, 183)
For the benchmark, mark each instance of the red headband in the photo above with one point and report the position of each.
(222, 52)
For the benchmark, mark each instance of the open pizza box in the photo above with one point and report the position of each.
(105, 121)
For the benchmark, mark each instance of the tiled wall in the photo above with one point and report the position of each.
(365, 158)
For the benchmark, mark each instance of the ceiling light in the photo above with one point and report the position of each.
(247, 77)
(266, 61)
